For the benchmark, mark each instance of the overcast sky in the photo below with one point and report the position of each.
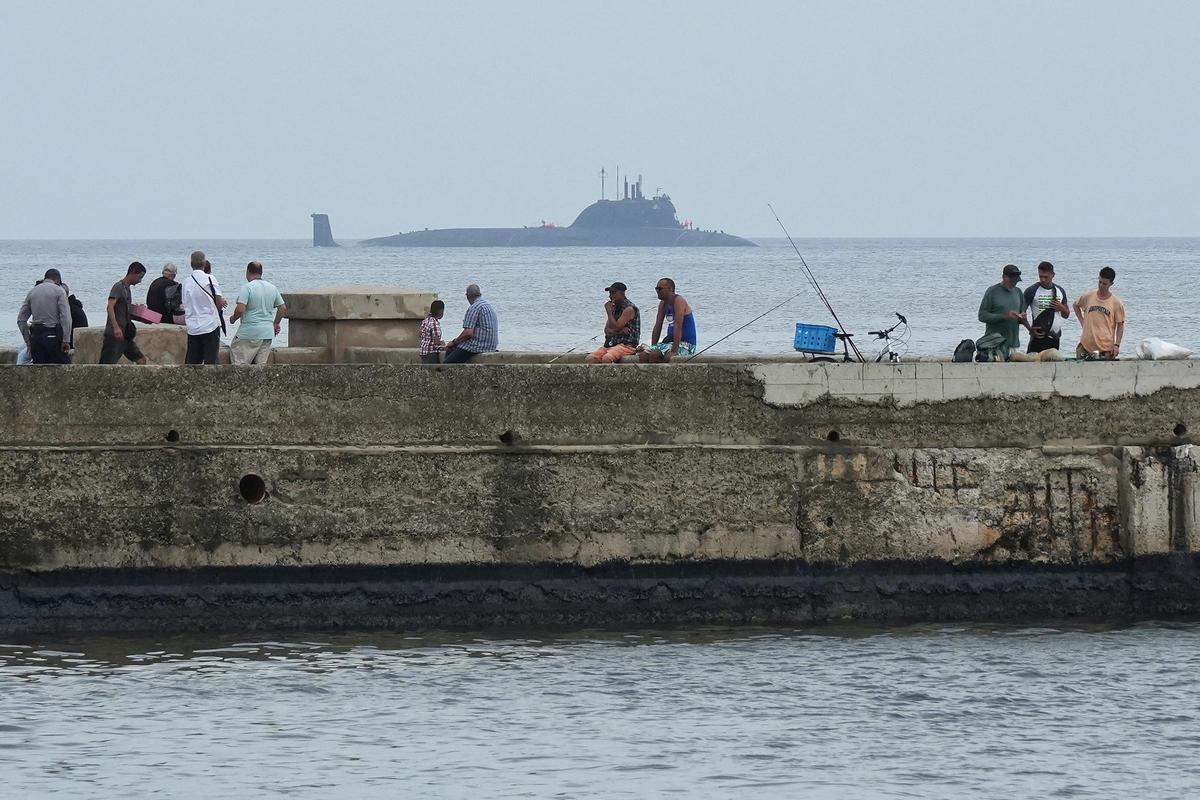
(229, 120)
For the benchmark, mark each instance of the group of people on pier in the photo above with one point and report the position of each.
(50, 315)
(1042, 309)
(622, 329)
(48, 320)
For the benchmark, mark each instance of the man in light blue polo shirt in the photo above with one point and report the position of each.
(260, 308)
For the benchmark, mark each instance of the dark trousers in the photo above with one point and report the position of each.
(458, 356)
(1038, 344)
(203, 349)
(431, 358)
(45, 345)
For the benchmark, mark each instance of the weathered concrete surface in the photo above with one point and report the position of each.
(337, 335)
(476, 596)
(514, 493)
(358, 302)
(559, 404)
(162, 344)
(907, 384)
(355, 316)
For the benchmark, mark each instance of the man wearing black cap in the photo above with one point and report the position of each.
(1003, 311)
(45, 321)
(622, 328)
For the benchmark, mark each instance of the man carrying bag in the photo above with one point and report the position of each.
(1046, 305)
(203, 313)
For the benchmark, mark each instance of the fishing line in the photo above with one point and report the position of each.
(573, 349)
(748, 324)
(812, 282)
(812, 279)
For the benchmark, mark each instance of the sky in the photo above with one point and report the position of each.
(215, 119)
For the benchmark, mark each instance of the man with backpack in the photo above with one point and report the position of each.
(164, 294)
(1046, 303)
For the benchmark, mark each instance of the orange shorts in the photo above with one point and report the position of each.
(610, 355)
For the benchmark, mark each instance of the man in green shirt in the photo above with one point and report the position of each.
(1002, 311)
(260, 308)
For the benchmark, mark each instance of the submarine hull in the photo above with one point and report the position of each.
(561, 237)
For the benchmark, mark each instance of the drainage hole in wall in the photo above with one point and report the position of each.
(1181, 429)
(252, 488)
(833, 436)
(172, 436)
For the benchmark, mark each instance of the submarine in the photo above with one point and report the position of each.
(634, 220)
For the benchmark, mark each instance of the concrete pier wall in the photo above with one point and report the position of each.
(501, 494)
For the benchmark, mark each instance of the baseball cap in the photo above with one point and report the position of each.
(1013, 271)
(616, 287)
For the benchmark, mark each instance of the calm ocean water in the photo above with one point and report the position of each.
(552, 299)
(924, 712)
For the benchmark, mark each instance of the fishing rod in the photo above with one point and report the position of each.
(573, 349)
(812, 280)
(748, 324)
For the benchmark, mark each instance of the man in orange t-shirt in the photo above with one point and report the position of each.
(1102, 315)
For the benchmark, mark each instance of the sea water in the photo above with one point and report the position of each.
(552, 299)
(858, 712)
(940, 711)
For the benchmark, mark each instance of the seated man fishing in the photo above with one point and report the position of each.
(681, 327)
(622, 328)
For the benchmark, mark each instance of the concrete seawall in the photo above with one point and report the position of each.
(385, 495)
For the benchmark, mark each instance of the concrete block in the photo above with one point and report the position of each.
(337, 335)
(162, 344)
(1145, 511)
(928, 370)
(300, 355)
(1150, 376)
(358, 303)
(381, 355)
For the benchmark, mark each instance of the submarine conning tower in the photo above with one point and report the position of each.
(633, 210)
(322, 232)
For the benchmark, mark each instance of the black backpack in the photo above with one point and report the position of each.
(965, 351)
(78, 316)
(173, 300)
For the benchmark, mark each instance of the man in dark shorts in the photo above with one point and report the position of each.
(45, 321)
(1046, 307)
(119, 330)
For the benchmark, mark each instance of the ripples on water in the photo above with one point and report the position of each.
(552, 298)
(978, 711)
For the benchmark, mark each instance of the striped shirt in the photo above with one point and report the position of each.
(482, 318)
(431, 334)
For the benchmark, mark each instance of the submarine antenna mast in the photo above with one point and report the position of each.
(602, 174)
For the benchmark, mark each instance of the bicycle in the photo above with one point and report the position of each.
(890, 344)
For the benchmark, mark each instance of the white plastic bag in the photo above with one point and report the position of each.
(1155, 349)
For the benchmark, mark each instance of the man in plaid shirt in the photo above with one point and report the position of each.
(481, 330)
(431, 334)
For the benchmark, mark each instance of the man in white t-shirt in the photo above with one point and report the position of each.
(202, 310)
(1047, 307)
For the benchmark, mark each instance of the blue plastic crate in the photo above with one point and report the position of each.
(815, 338)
